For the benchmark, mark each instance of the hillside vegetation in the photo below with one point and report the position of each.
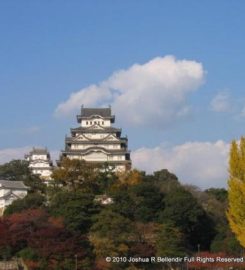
(66, 224)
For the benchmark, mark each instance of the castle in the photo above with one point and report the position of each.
(97, 141)
(40, 163)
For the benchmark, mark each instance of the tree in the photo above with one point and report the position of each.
(220, 194)
(164, 180)
(148, 201)
(139, 202)
(225, 241)
(215, 201)
(123, 203)
(170, 241)
(111, 234)
(18, 170)
(37, 236)
(76, 174)
(236, 190)
(144, 243)
(129, 178)
(32, 200)
(76, 208)
(183, 210)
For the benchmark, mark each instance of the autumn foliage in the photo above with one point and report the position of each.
(44, 237)
(236, 191)
(219, 260)
(67, 226)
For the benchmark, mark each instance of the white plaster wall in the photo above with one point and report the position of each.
(20, 193)
(8, 200)
(2, 203)
(39, 164)
(96, 156)
(74, 157)
(97, 136)
(3, 191)
(117, 157)
(85, 146)
(43, 157)
(96, 121)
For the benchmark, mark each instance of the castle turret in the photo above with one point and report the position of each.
(40, 163)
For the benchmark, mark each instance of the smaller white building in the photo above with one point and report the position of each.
(40, 163)
(10, 191)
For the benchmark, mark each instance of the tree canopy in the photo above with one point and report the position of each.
(236, 190)
(146, 215)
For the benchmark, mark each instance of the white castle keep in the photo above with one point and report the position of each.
(97, 141)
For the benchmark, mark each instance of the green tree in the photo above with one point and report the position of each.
(164, 180)
(215, 201)
(225, 241)
(170, 241)
(32, 200)
(18, 170)
(236, 190)
(139, 202)
(123, 202)
(111, 234)
(183, 210)
(76, 208)
(220, 194)
(148, 200)
(105, 178)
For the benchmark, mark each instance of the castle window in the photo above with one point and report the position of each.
(102, 122)
(87, 123)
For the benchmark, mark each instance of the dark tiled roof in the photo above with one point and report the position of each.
(90, 130)
(111, 162)
(93, 141)
(104, 112)
(96, 149)
(13, 184)
(39, 151)
(88, 113)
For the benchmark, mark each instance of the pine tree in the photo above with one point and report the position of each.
(236, 190)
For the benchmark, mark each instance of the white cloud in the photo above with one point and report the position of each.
(221, 102)
(152, 93)
(203, 164)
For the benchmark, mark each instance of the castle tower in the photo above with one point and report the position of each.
(40, 163)
(96, 141)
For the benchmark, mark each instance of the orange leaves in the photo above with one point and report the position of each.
(130, 178)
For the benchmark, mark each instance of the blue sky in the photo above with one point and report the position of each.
(50, 49)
